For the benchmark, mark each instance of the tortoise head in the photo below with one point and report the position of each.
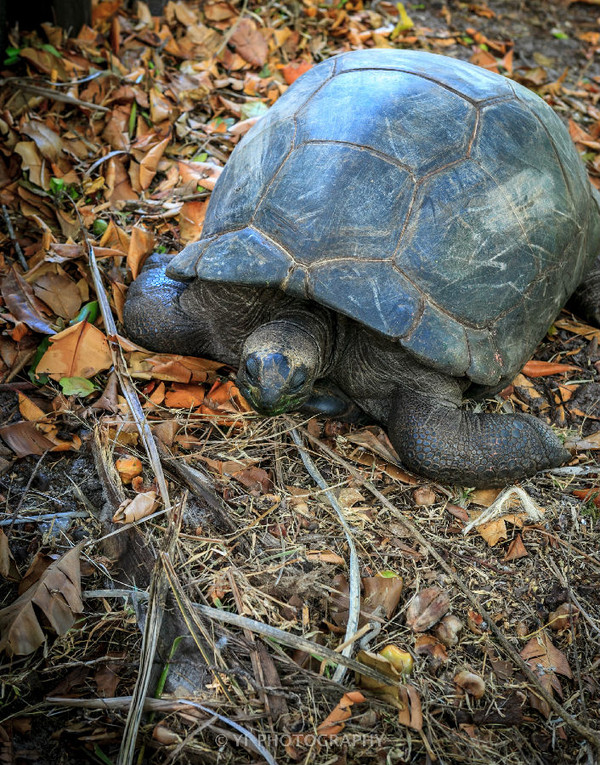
(279, 364)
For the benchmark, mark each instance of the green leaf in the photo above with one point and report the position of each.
(387, 574)
(253, 109)
(132, 119)
(76, 386)
(41, 349)
(560, 35)
(89, 312)
(99, 227)
(201, 157)
(51, 49)
(56, 185)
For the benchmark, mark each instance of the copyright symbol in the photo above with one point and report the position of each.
(221, 740)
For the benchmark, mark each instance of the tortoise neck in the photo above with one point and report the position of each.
(316, 323)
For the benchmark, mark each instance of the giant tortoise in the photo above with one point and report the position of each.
(399, 231)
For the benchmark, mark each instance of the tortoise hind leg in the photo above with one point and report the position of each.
(437, 439)
(586, 299)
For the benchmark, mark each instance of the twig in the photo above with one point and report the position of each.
(280, 636)
(163, 705)
(11, 233)
(354, 571)
(53, 94)
(154, 617)
(42, 518)
(26, 489)
(589, 734)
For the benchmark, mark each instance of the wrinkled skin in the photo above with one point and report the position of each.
(396, 234)
(284, 348)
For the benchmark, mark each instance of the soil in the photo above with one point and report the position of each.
(106, 639)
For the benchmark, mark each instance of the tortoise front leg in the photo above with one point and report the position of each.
(586, 299)
(330, 401)
(437, 439)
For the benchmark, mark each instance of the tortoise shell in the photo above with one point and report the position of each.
(437, 203)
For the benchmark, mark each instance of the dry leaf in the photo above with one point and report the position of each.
(471, 683)
(545, 661)
(128, 468)
(23, 304)
(8, 567)
(59, 292)
(57, 593)
(24, 439)
(427, 608)
(411, 715)
(141, 245)
(183, 396)
(325, 557)
(141, 506)
(249, 43)
(516, 549)
(78, 351)
(381, 591)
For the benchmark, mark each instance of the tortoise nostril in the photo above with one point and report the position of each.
(252, 368)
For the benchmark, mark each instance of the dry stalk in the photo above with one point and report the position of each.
(354, 570)
(589, 734)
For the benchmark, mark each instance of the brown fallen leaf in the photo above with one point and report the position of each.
(78, 351)
(411, 715)
(546, 661)
(58, 292)
(249, 43)
(516, 549)
(295, 69)
(471, 683)
(384, 591)
(23, 304)
(428, 645)
(427, 608)
(141, 245)
(24, 439)
(184, 396)
(255, 479)
(493, 531)
(325, 556)
(8, 567)
(57, 593)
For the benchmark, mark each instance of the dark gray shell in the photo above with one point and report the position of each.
(442, 205)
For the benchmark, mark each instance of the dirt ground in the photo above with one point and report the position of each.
(260, 539)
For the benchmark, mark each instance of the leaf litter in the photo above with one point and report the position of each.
(121, 131)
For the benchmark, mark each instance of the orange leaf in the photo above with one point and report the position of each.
(184, 396)
(545, 368)
(588, 494)
(335, 722)
(325, 557)
(295, 69)
(78, 351)
(141, 245)
(128, 468)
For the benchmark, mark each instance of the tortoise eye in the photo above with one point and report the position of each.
(298, 380)
(252, 369)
